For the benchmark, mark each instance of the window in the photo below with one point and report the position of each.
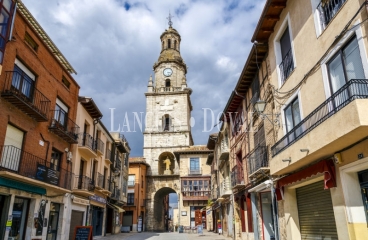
(255, 89)
(65, 82)
(166, 122)
(61, 112)
(163, 44)
(55, 161)
(167, 83)
(194, 166)
(130, 199)
(131, 180)
(29, 40)
(328, 9)
(238, 121)
(292, 118)
(23, 79)
(175, 44)
(169, 43)
(142, 181)
(12, 150)
(287, 64)
(345, 65)
(6, 7)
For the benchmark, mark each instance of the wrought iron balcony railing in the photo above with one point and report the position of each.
(286, 66)
(83, 182)
(237, 177)
(25, 164)
(100, 145)
(116, 193)
(86, 140)
(257, 159)
(19, 90)
(354, 89)
(328, 9)
(64, 127)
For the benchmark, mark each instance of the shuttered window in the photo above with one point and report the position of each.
(12, 148)
(316, 216)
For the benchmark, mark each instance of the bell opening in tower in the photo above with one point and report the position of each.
(167, 83)
(169, 43)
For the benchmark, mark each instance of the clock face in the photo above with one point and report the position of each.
(168, 72)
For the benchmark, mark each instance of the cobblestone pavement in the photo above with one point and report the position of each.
(164, 236)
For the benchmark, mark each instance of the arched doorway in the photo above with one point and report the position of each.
(161, 213)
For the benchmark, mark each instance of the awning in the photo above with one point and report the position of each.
(261, 186)
(116, 207)
(327, 167)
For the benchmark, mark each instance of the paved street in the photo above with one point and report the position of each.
(164, 236)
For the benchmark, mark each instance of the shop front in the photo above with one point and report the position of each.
(77, 213)
(97, 212)
(21, 202)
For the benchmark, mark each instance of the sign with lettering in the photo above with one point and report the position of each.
(47, 175)
(97, 199)
(80, 200)
(83, 233)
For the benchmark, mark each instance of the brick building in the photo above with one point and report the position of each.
(37, 128)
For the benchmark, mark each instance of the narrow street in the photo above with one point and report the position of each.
(164, 236)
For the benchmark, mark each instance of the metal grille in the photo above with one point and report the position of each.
(316, 216)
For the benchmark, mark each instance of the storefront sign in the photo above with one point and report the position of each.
(47, 175)
(21, 186)
(98, 199)
(80, 201)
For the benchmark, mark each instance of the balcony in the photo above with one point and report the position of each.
(83, 186)
(108, 156)
(225, 190)
(192, 171)
(258, 162)
(237, 178)
(87, 146)
(100, 146)
(131, 183)
(20, 91)
(338, 122)
(25, 167)
(117, 164)
(286, 66)
(196, 195)
(123, 144)
(64, 127)
(116, 194)
(215, 193)
(224, 150)
(167, 89)
(327, 11)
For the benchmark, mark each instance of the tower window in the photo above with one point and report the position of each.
(167, 83)
(163, 44)
(168, 43)
(175, 44)
(166, 122)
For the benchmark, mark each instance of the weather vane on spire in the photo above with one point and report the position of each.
(169, 18)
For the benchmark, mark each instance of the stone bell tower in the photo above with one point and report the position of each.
(168, 106)
(168, 114)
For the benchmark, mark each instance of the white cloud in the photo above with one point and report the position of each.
(113, 50)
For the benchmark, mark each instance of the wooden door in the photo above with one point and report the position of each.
(198, 217)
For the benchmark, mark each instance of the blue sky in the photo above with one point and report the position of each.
(113, 44)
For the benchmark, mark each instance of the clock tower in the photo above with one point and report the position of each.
(168, 106)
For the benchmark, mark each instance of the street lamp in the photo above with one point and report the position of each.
(260, 106)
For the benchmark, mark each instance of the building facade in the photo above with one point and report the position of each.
(134, 216)
(303, 154)
(37, 132)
